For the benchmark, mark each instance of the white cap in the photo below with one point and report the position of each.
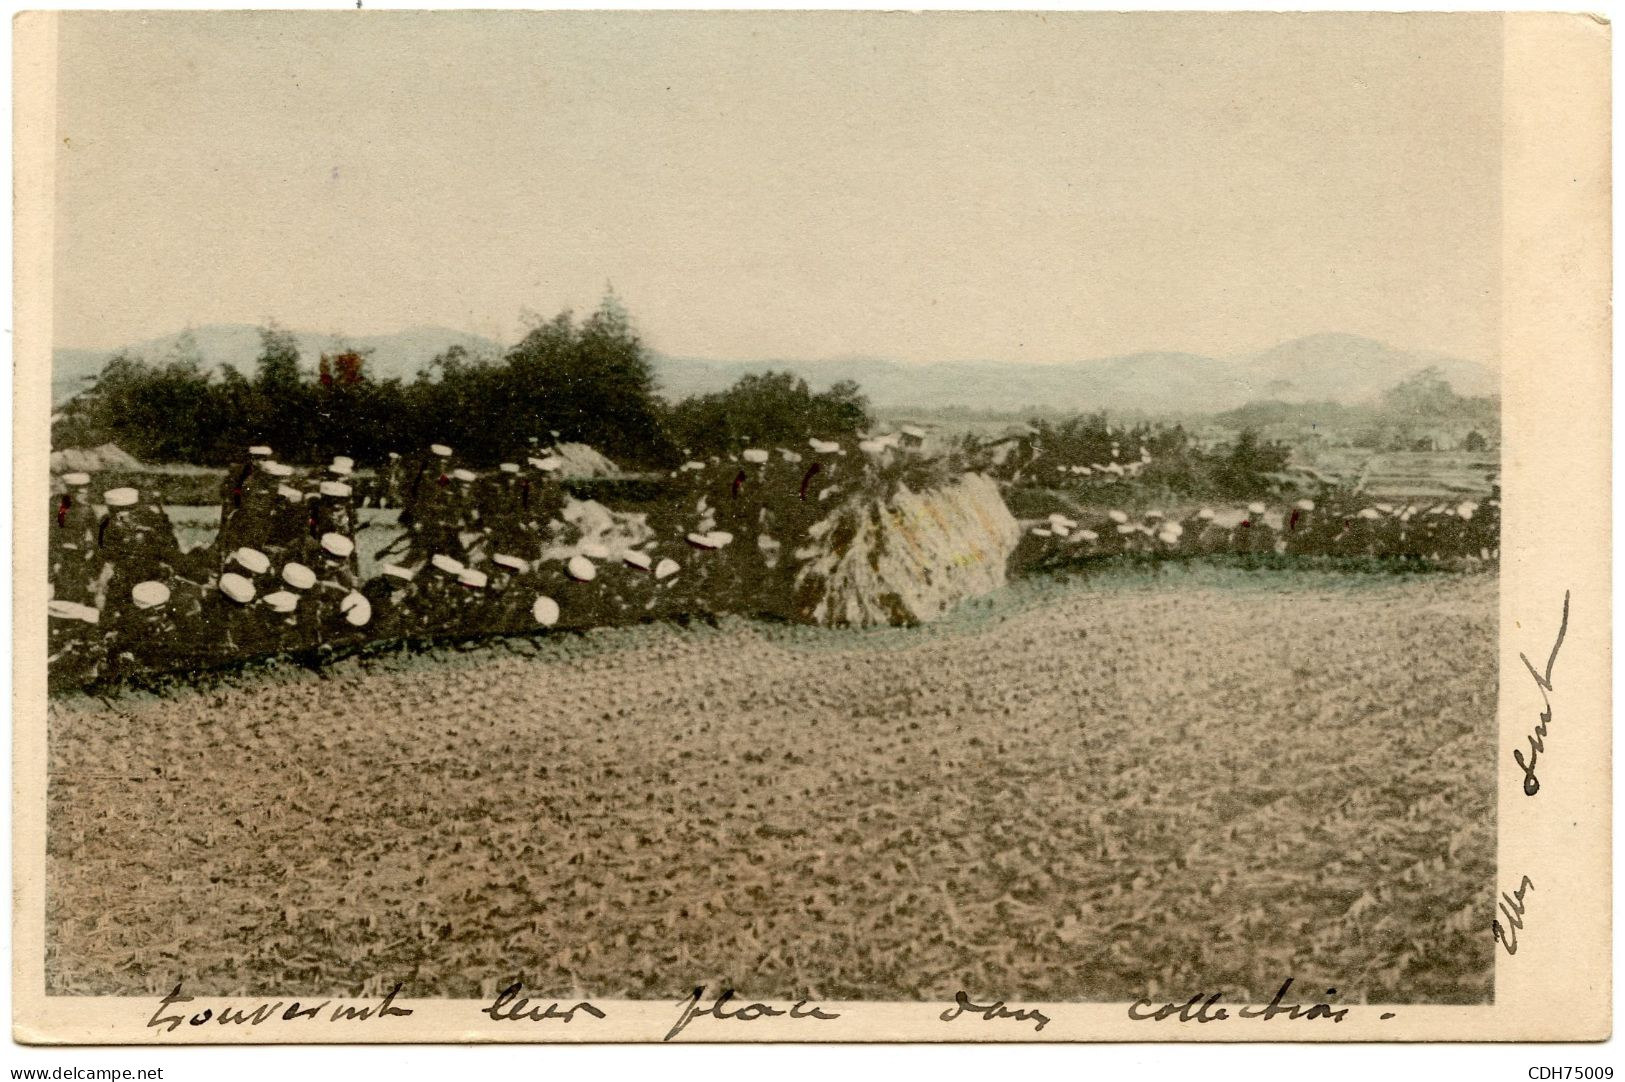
(1466, 508)
(334, 488)
(1170, 531)
(344, 462)
(1255, 509)
(1386, 508)
(236, 587)
(1117, 516)
(149, 594)
(789, 456)
(259, 450)
(289, 493)
(581, 569)
(593, 550)
(665, 569)
(278, 469)
(1205, 514)
(121, 497)
(1369, 513)
(394, 455)
(913, 430)
(470, 577)
(1086, 535)
(72, 610)
(693, 465)
(1039, 531)
(252, 559)
(440, 449)
(1059, 530)
(298, 576)
(512, 562)
(755, 454)
(1153, 514)
(1125, 528)
(396, 571)
(463, 475)
(336, 544)
(76, 479)
(282, 601)
(509, 467)
(549, 463)
(823, 447)
(1305, 505)
(545, 611)
(447, 564)
(356, 608)
(640, 560)
(873, 447)
(1058, 519)
(340, 469)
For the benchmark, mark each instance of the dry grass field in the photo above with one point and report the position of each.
(1204, 780)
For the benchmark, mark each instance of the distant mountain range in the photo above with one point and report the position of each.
(1321, 368)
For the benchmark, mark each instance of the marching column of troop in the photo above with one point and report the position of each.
(1338, 524)
(493, 552)
(479, 553)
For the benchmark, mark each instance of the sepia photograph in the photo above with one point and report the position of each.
(754, 512)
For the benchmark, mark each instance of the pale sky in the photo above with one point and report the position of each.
(940, 187)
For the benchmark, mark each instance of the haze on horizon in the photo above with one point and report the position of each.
(942, 187)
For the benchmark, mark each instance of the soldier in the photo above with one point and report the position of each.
(281, 611)
(333, 510)
(1303, 531)
(76, 648)
(1253, 535)
(74, 642)
(156, 627)
(133, 545)
(299, 580)
(71, 545)
(338, 609)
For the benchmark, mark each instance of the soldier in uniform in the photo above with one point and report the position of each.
(133, 544)
(249, 627)
(72, 548)
(1253, 535)
(1303, 530)
(338, 609)
(434, 512)
(74, 641)
(299, 580)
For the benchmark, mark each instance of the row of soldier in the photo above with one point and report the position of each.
(480, 552)
(1337, 525)
(486, 552)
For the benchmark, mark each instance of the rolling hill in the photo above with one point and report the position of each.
(1326, 367)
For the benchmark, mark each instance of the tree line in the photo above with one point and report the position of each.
(589, 380)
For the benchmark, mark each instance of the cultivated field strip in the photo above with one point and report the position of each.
(1144, 785)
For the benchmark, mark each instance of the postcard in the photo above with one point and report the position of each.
(811, 527)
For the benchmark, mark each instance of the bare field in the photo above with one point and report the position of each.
(1208, 780)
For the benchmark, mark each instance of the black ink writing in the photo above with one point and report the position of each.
(510, 1006)
(993, 1011)
(748, 1013)
(1537, 738)
(1512, 907)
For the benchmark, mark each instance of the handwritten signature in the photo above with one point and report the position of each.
(1512, 907)
(1537, 739)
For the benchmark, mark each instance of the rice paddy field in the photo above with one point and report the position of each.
(1203, 779)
